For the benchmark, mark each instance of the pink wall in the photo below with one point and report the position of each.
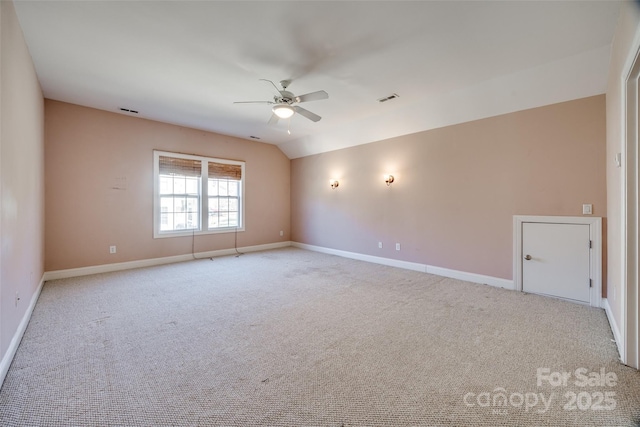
(21, 172)
(456, 188)
(88, 150)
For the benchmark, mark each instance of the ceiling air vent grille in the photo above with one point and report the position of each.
(389, 98)
(127, 110)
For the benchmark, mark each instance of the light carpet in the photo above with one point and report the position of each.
(296, 338)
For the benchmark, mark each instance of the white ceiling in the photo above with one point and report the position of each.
(187, 62)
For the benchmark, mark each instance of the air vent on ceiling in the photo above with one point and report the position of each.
(254, 137)
(389, 98)
(127, 110)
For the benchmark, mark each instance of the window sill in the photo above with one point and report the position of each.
(189, 233)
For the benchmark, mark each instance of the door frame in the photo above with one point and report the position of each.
(595, 255)
(630, 221)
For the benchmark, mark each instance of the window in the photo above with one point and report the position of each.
(194, 194)
(224, 195)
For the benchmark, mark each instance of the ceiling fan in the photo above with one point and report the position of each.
(285, 102)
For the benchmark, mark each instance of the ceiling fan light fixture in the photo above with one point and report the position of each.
(283, 111)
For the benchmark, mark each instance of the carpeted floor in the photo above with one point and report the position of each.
(296, 338)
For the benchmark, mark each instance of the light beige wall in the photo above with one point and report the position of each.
(21, 172)
(456, 188)
(628, 25)
(88, 150)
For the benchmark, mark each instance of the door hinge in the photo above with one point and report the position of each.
(590, 244)
(590, 283)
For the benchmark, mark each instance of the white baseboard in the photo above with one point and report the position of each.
(7, 358)
(362, 257)
(107, 268)
(472, 277)
(424, 268)
(614, 326)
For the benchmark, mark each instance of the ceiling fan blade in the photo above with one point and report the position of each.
(272, 84)
(254, 102)
(308, 114)
(273, 120)
(313, 96)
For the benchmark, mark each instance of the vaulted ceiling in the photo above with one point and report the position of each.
(186, 62)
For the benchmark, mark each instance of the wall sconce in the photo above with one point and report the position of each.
(334, 183)
(388, 179)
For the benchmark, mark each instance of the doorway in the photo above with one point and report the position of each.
(559, 256)
(630, 295)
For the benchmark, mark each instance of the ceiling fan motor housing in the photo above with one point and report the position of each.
(285, 98)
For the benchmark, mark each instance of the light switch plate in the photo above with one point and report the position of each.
(587, 209)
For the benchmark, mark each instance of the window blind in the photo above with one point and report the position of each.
(225, 171)
(176, 166)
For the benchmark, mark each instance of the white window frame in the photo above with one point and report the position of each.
(204, 196)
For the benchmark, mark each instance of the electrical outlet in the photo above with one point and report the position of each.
(112, 249)
(379, 245)
(397, 246)
(281, 233)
